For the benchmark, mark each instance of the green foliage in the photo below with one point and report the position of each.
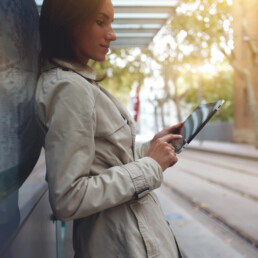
(124, 68)
(200, 28)
(212, 89)
(201, 25)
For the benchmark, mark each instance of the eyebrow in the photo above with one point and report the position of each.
(106, 16)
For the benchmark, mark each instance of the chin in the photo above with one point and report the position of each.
(100, 59)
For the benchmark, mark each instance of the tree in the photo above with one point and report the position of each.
(198, 29)
(192, 39)
(124, 68)
(219, 86)
(245, 71)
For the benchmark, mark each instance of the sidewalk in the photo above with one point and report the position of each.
(232, 149)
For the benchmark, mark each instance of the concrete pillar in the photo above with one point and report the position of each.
(243, 121)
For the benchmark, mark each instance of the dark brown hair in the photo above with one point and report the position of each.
(58, 20)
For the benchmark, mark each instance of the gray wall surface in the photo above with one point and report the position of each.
(217, 131)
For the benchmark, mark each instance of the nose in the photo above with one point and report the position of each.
(111, 36)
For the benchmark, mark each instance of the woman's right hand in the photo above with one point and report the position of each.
(163, 151)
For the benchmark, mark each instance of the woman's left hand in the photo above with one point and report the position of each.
(175, 129)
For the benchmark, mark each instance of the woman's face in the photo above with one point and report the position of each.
(92, 41)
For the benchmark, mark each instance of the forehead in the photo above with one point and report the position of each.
(107, 10)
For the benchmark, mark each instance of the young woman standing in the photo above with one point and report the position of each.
(97, 176)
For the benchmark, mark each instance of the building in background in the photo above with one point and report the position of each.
(246, 71)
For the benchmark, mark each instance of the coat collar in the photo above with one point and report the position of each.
(88, 73)
(84, 71)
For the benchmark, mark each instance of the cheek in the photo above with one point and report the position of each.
(82, 39)
(84, 43)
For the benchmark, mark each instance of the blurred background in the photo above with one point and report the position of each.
(205, 51)
(170, 56)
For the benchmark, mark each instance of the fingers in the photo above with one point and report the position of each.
(174, 160)
(171, 155)
(173, 127)
(163, 151)
(169, 137)
(176, 129)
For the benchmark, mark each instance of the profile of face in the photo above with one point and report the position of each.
(92, 40)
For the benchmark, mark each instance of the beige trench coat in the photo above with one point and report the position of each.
(97, 176)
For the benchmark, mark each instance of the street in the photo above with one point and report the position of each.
(211, 202)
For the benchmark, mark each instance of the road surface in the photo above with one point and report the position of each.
(211, 202)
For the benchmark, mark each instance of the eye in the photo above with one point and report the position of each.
(100, 23)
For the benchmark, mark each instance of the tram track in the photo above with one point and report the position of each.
(214, 216)
(225, 186)
(218, 165)
(211, 213)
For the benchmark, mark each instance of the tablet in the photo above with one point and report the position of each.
(196, 121)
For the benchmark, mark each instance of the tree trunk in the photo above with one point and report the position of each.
(156, 119)
(252, 105)
(162, 115)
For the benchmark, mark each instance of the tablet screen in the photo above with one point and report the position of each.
(196, 121)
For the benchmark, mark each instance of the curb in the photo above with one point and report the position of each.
(245, 152)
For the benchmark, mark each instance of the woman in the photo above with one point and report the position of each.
(96, 175)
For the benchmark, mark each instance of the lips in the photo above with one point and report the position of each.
(106, 47)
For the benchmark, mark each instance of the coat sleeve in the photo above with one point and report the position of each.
(69, 115)
(142, 149)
